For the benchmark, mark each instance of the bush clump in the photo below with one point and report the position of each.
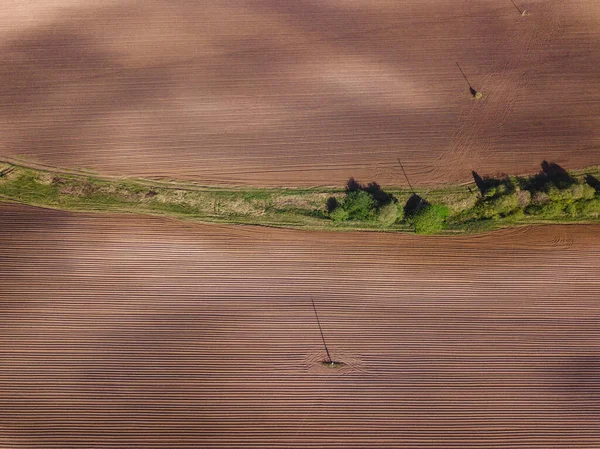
(359, 205)
(390, 213)
(553, 193)
(498, 206)
(367, 203)
(554, 200)
(428, 219)
(570, 194)
(589, 208)
(546, 210)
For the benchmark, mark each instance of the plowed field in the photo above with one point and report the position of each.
(300, 92)
(130, 332)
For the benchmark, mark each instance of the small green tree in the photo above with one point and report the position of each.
(571, 194)
(591, 208)
(360, 205)
(390, 213)
(498, 206)
(364, 203)
(429, 219)
(339, 214)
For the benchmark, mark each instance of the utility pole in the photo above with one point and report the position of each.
(473, 91)
(321, 330)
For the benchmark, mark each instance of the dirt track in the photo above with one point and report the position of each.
(127, 332)
(300, 92)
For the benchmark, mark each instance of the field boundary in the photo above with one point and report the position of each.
(299, 208)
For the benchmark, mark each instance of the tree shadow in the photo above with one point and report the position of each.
(551, 174)
(372, 188)
(352, 185)
(555, 172)
(332, 204)
(592, 181)
(488, 185)
(376, 192)
(414, 203)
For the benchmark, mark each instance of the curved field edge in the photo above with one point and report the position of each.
(279, 207)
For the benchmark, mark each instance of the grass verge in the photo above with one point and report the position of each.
(466, 208)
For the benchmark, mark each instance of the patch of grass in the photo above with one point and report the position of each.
(256, 195)
(25, 186)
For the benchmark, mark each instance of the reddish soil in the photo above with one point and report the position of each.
(300, 92)
(129, 332)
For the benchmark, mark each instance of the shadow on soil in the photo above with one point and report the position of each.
(551, 174)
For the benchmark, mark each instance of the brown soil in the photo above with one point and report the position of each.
(300, 92)
(129, 332)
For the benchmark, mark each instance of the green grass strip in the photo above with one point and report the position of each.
(303, 208)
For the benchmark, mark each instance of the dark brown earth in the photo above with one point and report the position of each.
(300, 92)
(130, 332)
